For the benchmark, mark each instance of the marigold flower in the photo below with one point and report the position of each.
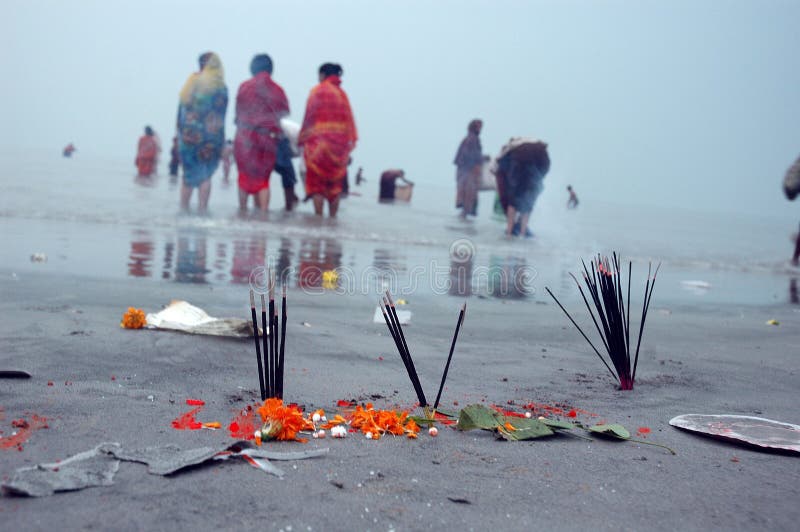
(379, 422)
(280, 422)
(133, 319)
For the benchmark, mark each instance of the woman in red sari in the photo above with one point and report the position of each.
(146, 153)
(260, 104)
(327, 136)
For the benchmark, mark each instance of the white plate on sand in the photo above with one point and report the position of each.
(757, 431)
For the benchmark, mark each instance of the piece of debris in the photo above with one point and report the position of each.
(759, 432)
(97, 466)
(184, 317)
(38, 257)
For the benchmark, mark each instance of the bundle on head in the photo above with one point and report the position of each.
(613, 320)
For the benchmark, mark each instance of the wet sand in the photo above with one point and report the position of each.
(695, 359)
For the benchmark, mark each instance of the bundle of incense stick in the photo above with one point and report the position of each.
(604, 284)
(396, 330)
(271, 367)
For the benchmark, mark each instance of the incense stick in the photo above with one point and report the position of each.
(604, 284)
(402, 347)
(258, 345)
(450, 356)
(265, 348)
(283, 342)
(272, 335)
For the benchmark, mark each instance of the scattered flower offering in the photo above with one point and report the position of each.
(338, 432)
(433, 431)
(133, 319)
(281, 422)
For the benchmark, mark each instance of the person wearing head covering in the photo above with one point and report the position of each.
(146, 153)
(260, 105)
(201, 128)
(521, 168)
(468, 161)
(328, 136)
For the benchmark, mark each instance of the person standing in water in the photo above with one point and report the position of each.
(572, 202)
(201, 129)
(174, 160)
(146, 153)
(468, 161)
(260, 105)
(328, 136)
(227, 160)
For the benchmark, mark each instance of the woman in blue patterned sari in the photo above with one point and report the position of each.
(201, 128)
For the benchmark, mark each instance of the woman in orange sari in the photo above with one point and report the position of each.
(327, 136)
(146, 153)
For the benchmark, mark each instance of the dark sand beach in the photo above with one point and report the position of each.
(116, 385)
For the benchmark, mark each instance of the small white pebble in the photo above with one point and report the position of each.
(433, 431)
(315, 418)
(528, 415)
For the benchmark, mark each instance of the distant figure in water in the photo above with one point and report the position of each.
(389, 184)
(572, 202)
(469, 161)
(791, 187)
(328, 136)
(69, 149)
(285, 168)
(521, 167)
(260, 105)
(146, 153)
(201, 129)
(360, 177)
(227, 160)
(174, 159)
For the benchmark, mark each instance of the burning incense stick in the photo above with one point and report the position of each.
(283, 342)
(450, 356)
(604, 284)
(258, 345)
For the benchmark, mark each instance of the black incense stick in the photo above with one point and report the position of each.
(283, 342)
(450, 356)
(265, 348)
(605, 286)
(258, 345)
(396, 336)
(272, 335)
(404, 352)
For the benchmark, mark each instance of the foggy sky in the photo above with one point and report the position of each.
(686, 103)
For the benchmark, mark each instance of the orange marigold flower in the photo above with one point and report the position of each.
(379, 422)
(133, 319)
(280, 422)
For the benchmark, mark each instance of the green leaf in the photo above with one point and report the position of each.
(478, 417)
(556, 424)
(524, 429)
(615, 430)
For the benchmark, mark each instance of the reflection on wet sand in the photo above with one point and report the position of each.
(190, 265)
(247, 256)
(141, 255)
(316, 263)
(318, 256)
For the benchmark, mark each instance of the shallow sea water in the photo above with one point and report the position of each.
(90, 217)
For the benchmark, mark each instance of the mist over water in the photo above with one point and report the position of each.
(674, 123)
